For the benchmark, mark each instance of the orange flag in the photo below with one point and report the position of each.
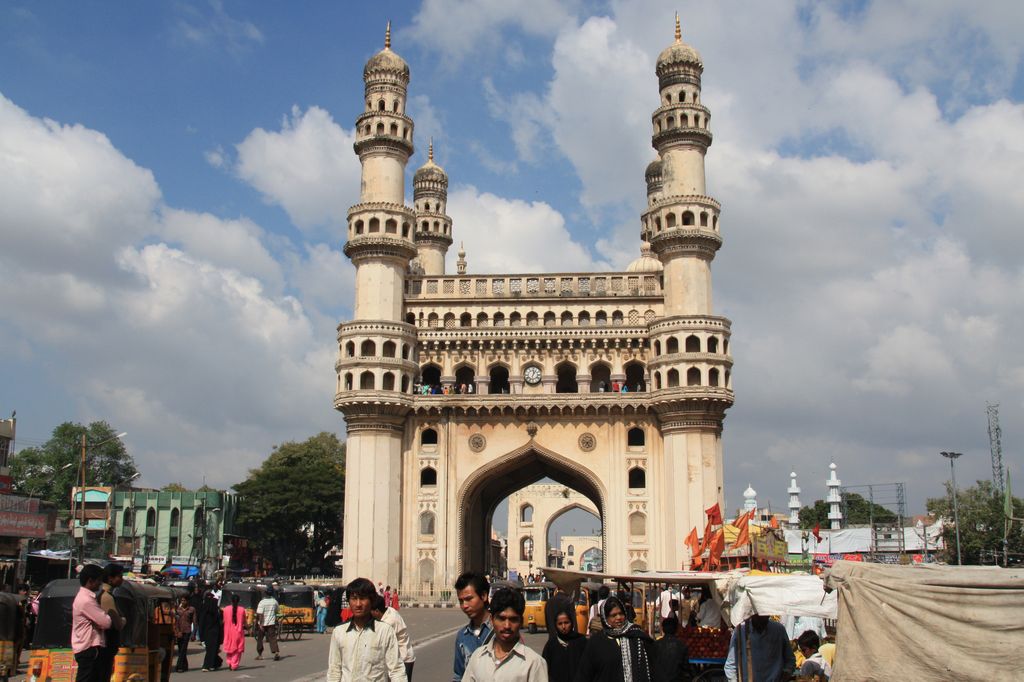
(691, 540)
(773, 523)
(717, 547)
(714, 515)
(743, 524)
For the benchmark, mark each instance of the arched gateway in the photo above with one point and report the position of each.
(459, 389)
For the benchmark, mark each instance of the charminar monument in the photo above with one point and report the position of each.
(541, 352)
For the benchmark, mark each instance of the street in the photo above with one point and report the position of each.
(306, 660)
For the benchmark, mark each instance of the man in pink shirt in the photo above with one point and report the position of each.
(88, 621)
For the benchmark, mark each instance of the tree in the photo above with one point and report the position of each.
(174, 488)
(980, 509)
(50, 471)
(291, 506)
(857, 512)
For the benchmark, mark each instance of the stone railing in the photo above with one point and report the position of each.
(534, 286)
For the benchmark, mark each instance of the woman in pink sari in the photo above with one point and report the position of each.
(234, 632)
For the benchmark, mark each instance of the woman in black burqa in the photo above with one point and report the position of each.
(212, 623)
(565, 646)
(621, 652)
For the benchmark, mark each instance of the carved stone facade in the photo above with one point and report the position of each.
(541, 354)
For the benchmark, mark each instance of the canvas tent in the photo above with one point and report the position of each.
(780, 595)
(927, 622)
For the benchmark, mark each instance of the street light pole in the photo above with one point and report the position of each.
(80, 498)
(952, 457)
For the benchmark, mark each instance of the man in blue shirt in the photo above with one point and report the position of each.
(472, 590)
(759, 650)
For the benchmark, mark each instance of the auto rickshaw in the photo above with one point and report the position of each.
(147, 637)
(296, 611)
(249, 596)
(586, 598)
(536, 595)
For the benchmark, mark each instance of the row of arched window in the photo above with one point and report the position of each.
(682, 96)
(382, 105)
(685, 218)
(694, 377)
(390, 381)
(691, 344)
(373, 226)
(368, 349)
(636, 522)
(128, 530)
(393, 130)
(566, 377)
(669, 121)
(532, 319)
(437, 227)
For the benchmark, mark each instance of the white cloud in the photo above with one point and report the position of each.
(509, 235)
(308, 168)
(458, 28)
(216, 28)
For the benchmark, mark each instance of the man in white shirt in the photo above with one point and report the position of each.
(364, 650)
(384, 613)
(266, 625)
(505, 658)
(665, 602)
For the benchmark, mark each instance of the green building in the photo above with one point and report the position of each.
(159, 528)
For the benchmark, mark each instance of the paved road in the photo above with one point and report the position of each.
(306, 660)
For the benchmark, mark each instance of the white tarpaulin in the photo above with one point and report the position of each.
(782, 595)
(927, 622)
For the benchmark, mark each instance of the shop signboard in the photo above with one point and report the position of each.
(16, 524)
(768, 547)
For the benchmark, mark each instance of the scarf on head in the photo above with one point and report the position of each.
(635, 666)
(569, 636)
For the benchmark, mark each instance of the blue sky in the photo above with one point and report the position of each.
(176, 175)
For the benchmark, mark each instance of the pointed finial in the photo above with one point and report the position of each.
(387, 33)
(679, 31)
(430, 154)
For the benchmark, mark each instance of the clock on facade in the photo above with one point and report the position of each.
(532, 375)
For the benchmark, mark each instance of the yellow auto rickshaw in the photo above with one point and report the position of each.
(536, 596)
(586, 598)
(12, 630)
(147, 637)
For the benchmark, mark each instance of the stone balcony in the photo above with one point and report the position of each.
(512, 287)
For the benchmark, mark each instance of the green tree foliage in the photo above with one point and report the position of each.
(49, 472)
(174, 488)
(291, 506)
(857, 512)
(981, 512)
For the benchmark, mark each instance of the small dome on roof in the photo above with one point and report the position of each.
(430, 170)
(679, 52)
(386, 60)
(647, 262)
(653, 169)
(749, 493)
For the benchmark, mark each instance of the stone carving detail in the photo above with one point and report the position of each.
(531, 429)
(477, 442)
(587, 442)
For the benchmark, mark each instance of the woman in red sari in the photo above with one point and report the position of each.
(234, 632)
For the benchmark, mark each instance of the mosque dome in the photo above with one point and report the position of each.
(749, 493)
(647, 262)
(386, 60)
(653, 170)
(678, 52)
(430, 170)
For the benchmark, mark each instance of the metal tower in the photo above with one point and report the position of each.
(995, 437)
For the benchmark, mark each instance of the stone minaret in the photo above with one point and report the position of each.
(690, 359)
(835, 498)
(749, 499)
(794, 502)
(433, 226)
(376, 362)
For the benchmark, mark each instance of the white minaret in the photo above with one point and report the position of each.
(794, 501)
(835, 516)
(749, 499)
(433, 226)
(373, 387)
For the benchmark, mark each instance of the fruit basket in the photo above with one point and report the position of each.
(706, 643)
